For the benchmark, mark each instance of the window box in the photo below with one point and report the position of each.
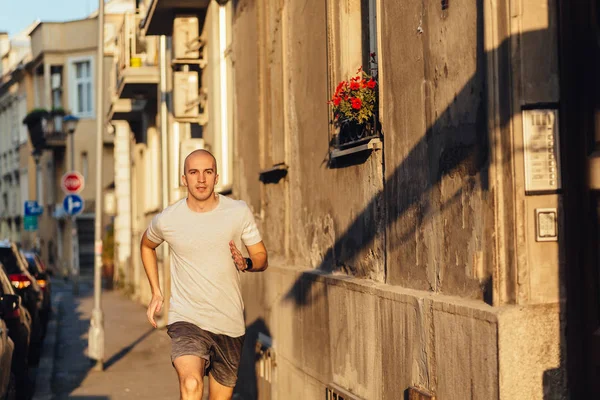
(354, 138)
(353, 134)
(36, 122)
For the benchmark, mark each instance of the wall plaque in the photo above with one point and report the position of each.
(541, 153)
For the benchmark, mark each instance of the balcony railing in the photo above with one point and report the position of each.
(137, 56)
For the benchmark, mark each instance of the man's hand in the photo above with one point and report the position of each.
(238, 259)
(154, 307)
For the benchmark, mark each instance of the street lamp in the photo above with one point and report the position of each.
(70, 123)
(96, 332)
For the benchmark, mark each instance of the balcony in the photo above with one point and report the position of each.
(137, 74)
(125, 109)
(161, 13)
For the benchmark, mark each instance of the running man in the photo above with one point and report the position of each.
(206, 320)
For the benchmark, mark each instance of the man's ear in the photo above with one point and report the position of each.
(183, 180)
(216, 179)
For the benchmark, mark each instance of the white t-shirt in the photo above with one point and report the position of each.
(205, 283)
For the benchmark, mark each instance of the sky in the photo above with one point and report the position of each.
(16, 15)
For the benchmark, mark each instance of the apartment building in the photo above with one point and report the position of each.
(63, 81)
(15, 53)
(450, 253)
(166, 102)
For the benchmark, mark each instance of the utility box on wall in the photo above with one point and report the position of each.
(186, 40)
(185, 94)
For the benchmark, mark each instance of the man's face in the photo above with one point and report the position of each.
(200, 176)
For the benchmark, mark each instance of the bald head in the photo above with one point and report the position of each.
(198, 153)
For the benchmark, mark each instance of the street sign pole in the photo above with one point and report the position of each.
(74, 235)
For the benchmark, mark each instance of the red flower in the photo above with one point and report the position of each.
(337, 101)
(371, 84)
(354, 85)
(356, 103)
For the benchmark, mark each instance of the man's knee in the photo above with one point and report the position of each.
(191, 384)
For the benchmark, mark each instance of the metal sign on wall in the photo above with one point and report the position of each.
(541, 153)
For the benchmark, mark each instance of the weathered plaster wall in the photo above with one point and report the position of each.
(376, 340)
(246, 160)
(418, 218)
(435, 146)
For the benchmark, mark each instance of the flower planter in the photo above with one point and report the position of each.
(354, 106)
(36, 126)
(354, 134)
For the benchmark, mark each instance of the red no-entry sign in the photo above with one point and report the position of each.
(72, 182)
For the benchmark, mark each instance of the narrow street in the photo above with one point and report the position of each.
(137, 357)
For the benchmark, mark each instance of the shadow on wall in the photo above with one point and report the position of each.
(246, 387)
(453, 146)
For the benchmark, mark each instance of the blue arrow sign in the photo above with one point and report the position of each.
(32, 208)
(73, 204)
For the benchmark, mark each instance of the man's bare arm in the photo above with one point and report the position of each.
(149, 260)
(257, 253)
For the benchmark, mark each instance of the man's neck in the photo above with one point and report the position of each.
(203, 206)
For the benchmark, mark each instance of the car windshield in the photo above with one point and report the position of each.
(10, 262)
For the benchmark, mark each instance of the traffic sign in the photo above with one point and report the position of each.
(72, 182)
(30, 222)
(32, 208)
(73, 204)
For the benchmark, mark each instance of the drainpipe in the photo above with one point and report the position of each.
(164, 157)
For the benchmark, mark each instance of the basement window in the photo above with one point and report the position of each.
(334, 392)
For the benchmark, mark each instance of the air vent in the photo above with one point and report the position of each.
(334, 392)
(419, 394)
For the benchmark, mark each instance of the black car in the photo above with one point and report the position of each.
(18, 322)
(15, 267)
(37, 269)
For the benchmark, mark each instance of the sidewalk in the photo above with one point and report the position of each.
(136, 365)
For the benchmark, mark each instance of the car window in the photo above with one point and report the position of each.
(33, 269)
(10, 262)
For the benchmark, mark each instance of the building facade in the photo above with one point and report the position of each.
(439, 253)
(15, 53)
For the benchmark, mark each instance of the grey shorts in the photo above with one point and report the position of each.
(221, 353)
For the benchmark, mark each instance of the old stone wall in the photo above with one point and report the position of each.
(384, 264)
(376, 340)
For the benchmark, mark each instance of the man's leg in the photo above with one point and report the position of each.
(216, 391)
(190, 370)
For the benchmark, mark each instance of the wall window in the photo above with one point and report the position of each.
(81, 84)
(84, 165)
(23, 134)
(51, 199)
(24, 186)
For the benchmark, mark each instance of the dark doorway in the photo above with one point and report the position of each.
(580, 144)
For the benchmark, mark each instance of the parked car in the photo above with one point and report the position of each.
(8, 304)
(15, 267)
(37, 269)
(18, 321)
